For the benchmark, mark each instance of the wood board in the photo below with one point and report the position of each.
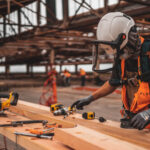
(125, 137)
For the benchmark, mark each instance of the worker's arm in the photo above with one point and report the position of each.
(106, 89)
(102, 91)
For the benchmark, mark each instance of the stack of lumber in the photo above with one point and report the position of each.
(75, 133)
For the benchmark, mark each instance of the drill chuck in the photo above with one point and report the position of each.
(62, 111)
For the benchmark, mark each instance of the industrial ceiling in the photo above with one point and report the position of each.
(66, 41)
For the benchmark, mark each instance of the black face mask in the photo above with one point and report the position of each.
(134, 42)
(133, 46)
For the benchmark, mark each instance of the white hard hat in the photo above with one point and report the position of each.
(112, 24)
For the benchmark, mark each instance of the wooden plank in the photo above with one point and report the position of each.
(36, 114)
(87, 138)
(111, 128)
(133, 139)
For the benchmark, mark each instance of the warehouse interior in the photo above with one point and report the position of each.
(39, 40)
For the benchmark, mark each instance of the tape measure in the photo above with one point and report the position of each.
(88, 115)
(55, 107)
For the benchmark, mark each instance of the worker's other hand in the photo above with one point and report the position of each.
(82, 102)
(141, 120)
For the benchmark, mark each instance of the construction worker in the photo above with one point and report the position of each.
(131, 68)
(83, 76)
(67, 77)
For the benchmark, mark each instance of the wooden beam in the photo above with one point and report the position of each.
(22, 25)
(106, 6)
(51, 4)
(7, 70)
(52, 57)
(143, 22)
(53, 16)
(38, 12)
(65, 13)
(87, 134)
(138, 2)
(60, 41)
(75, 49)
(8, 8)
(12, 4)
(81, 22)
(4, 27)
(19, 21)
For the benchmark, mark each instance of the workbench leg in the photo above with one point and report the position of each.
(5, 144)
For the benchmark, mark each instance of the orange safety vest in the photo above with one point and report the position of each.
(142, 96)
(67, 74)
(82, 72)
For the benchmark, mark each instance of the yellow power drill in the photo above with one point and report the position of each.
(11, 99)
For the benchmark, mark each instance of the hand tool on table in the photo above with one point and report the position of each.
(91, 116)
(34, 135)
(47, 136)
(21, 123)
(12, 99)
(48, 131)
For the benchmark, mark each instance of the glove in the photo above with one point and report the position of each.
(141, 120)
(82, 102)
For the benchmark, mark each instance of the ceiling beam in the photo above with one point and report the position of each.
(145, 3)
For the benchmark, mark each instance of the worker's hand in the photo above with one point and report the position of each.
(82, 102)
(141, 120)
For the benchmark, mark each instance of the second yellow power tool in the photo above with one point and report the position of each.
(12, 99)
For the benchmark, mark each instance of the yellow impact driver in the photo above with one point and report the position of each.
(55, 107)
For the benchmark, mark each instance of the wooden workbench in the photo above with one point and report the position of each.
(75, 133)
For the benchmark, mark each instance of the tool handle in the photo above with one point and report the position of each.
(34, 135)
